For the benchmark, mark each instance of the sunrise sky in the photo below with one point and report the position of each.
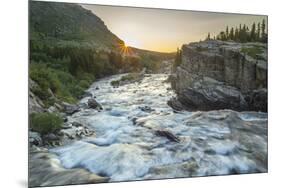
(165, 30)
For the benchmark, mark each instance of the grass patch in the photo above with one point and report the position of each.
(253, 52)
(45, 123)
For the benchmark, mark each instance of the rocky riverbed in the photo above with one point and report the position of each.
(138, 136)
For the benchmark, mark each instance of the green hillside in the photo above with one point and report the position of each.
(69, 24)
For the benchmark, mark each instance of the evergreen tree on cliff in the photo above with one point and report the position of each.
(263, 34)
(253, 33)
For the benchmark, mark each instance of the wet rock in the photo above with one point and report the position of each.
(134, 120)
(77, 131)
(58, 106)
(258, 100)
(35, 138)
(46, 170)
(70, 109)
(76, 124)
(175, 104)
(65, 119)
(168, 135)
(83, 105)
(50, 137)
(92, 103)
(146, 109)
(52, 109)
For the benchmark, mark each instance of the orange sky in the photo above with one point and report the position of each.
(165, 30)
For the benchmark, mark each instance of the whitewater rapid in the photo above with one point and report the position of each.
(125, 146)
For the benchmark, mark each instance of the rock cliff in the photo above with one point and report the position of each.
(222, 75)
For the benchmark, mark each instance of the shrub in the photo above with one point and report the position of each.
(45, 122)
(115, 82)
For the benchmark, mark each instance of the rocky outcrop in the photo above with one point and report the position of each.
(70, 109)
(92, 103)
(45, 169)
(222, 75)
(35, 104)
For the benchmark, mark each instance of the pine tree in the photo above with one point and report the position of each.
(247, 34)
(243, 35)
(208, 36)
(236, 35)
(253, 33)
(263, 34)
(177, 58)
(258, 32)
(239, 32)
(226, 33)
(231, 34)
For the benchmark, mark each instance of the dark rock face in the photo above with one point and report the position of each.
(218, 75)
(258, 100)
(168, 135)
(70, 109)
(92, 103)
(175, 104)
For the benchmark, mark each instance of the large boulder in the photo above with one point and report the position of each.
(92, 103)
(208, 94)
(70, 108)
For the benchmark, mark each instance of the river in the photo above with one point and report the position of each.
(126, 147)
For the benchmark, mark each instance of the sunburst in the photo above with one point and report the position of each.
(125, 50)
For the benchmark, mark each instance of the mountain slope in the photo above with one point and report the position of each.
(67, 23)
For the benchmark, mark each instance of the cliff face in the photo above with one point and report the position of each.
(222, 75)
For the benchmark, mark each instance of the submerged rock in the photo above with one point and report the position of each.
(146, 109)
(168, 135)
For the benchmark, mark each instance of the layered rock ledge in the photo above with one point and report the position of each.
(221, 75)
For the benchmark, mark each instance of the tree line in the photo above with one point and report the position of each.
(257, 33)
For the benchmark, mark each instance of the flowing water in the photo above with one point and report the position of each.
(126, 146)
